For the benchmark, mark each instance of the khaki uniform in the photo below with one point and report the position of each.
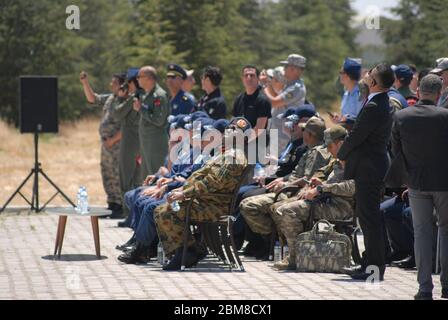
(153, 130)
(257, 210)
(212, 186)
(130, 173)
(109, 157)
(290, 217)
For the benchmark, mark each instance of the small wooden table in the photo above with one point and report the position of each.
(65, 212)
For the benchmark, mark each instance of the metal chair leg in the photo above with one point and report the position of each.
(186, 231)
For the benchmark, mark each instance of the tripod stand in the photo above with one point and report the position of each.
(34, 203)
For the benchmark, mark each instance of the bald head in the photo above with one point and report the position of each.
(149, 71)
(430, 88)
(147, 78)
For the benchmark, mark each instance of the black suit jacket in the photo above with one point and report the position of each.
(420, 133)
(365, 148)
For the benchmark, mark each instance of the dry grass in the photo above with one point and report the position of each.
(70, 158)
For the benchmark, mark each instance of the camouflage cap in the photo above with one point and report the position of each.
(334, 133)
(295, 60)
(442, 65)
(314, 125)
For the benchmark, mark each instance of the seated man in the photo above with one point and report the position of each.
(184, 165)
(338, 203)
(256, 210)
(288, 160)
(145, 232)
(212, 188)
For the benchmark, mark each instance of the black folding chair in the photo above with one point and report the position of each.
(217, 236)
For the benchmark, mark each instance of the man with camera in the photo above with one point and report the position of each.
(110, 137)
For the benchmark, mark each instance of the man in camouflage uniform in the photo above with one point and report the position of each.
(110, 137)
(212, 187)
(257, 210)
(328, 182)
(154, 110)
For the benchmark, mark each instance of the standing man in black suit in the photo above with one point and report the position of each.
(420, 134)
(365, 154)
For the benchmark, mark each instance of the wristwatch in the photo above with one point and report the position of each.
(319, 189)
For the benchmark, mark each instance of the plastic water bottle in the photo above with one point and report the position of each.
(277, 252)
(285, 251)
(174, 205)
(259, 171)
(78, 201)
(84, 201)
(160, 254)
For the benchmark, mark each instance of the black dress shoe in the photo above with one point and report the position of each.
(191, 259)
(423, 295)
(352, 270)
(363, 275)
(124, 224)
(130, 243)
(133, 256)
(407, 263)
(444, 293)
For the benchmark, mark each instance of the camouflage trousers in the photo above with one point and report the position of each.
(170, 224)
(110, 173)
(291, 216)
(256, 211)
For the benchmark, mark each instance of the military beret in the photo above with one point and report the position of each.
(172, 120)
(176, 71)
(132, 73)
(198, 114)
(334, 133)
(199, 122)
(183, 121)
(304, 111)
(352, 67)
(220, 125)
(403, 72)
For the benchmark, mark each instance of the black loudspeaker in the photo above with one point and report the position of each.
(38, 106)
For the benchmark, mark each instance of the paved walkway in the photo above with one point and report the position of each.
(28, 271)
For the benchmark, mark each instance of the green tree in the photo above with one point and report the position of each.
(417, 36)
(317, 30)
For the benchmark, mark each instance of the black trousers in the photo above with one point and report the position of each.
(368, 199)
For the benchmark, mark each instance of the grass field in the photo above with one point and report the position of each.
(70, 158)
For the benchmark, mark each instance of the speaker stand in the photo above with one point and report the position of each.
(35, 171)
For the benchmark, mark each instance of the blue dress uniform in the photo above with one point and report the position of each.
(351, 104)
(145, 231)
(181, 103)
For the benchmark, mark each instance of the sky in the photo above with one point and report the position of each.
(361, 6)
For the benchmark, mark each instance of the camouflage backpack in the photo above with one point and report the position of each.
(322, 250)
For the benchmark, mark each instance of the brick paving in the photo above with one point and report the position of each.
(29, 271)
